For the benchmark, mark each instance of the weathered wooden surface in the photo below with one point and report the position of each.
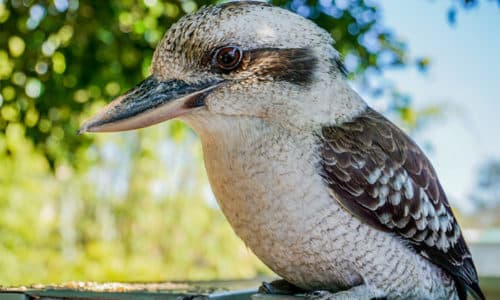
(241, 289)
(237, 290)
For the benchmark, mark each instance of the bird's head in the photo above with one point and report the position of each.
(240, 59)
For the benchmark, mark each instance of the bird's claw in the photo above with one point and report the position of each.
(356, 293)
(282, 289)
(279, 287)
(266, 288)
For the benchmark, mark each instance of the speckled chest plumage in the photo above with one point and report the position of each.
(267, 184)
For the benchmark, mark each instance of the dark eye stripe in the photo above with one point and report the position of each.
(295, 65)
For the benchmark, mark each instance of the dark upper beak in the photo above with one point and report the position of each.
(150, 102)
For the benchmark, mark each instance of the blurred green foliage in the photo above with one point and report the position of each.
(127, 206)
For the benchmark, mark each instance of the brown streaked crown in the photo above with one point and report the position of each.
(271, 50)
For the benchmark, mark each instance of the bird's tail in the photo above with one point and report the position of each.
(475, 291)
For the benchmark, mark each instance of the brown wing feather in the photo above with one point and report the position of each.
(381, 176)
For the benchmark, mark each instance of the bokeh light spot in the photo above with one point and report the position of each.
(14, 133)
(19, 78)
(126, 20)
(8, 93)
(44, 125)
(58, 63)
(189, 6)
(65, 34)
(4, 13)
(150, 3)
(33, 88)
(81, 96)
(31, 117)
(41, 67)
(48, 48)
(73, 5)
(51, 45)
(112, 88)
(9, 113)
(304, 11)
(61, 5)
(171, 10)
(343, 4)
(16, 46)
(94, 91)
(6, 65)
(351, 62)
(37, 13)
(58, 133)
(152, 36)
(64, 172)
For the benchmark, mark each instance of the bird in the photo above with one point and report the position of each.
(327, 192)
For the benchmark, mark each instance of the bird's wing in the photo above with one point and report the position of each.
(382, 177)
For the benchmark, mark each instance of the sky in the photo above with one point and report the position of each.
(464, 76)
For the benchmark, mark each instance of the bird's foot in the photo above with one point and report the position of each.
(360, 292)
(280, 287)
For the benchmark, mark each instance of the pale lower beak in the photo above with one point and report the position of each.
(150, 102)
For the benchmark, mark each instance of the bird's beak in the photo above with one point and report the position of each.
(150, 102)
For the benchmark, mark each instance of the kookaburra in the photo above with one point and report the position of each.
(326, 191)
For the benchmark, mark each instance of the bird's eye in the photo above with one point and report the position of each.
(227, 58)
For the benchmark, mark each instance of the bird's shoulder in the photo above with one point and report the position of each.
(382, 177)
